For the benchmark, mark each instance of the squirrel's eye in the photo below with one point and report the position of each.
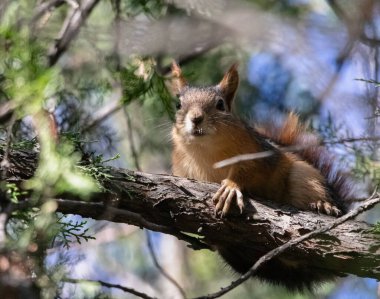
(178, 105)
(220, 105)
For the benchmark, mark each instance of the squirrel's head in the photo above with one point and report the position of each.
(202, 111)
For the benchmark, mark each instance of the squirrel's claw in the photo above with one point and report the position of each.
(325, 207)
(336, 212)
(218, 193)
(224, 196)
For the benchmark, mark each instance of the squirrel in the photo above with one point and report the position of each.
(205, 132)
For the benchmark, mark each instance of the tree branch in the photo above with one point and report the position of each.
(74, 20)
(45, 7)
(110, 285)
(162, 270)
(292, 148)
(180, 206)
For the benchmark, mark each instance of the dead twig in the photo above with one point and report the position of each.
(45, 7)
(103, 113)
(293, 148)
(6, 111)
(109, 285)
(131, 141)
(162, 270)
(70, 28)
(373, 200)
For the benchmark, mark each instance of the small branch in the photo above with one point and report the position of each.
(355, 28)
(131, 141)
(340, 61)
(104, 112)
(370, 41)
(293, 148)
(353, 139)
(70, 29)
(45, 7)
(115, 105)
(158, 266)
(3, 6)
(3, 221)
(118, 27)
(6, 110)
(372, 201)
(109, 285)
(191, 56)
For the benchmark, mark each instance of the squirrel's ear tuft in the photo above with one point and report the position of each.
(229, 84)
(179, 82)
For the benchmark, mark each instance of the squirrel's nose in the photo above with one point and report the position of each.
(197, 119)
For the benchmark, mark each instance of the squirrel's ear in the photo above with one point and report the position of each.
(229, 84)
(179, 82)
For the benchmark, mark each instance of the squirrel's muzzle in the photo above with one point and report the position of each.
(197, 119)
(194, 122)
(196, 116)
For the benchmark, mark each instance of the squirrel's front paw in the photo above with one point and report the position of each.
(224, 196)
(325, 207)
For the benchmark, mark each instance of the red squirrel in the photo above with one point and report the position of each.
(206, 132)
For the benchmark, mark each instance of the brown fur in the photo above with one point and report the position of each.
(294, 133)
(283, 177)
(206, 132)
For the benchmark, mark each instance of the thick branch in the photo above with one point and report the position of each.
(176, 206)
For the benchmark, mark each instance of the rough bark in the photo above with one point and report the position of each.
(180, 206)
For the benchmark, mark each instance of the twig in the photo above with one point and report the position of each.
(293, 148)
(340, 61)
(369, 41)
(355, 30)
(103, 113)
(3, 222)
(373, 200)
(6, 110)
(131, 141)
(74, 20)
(44, 7)
(116, 105)
(352, 139)
(109, 285)
(374, 100)
(72, 3)
(3, 6)
(191, 56)
(118, 39)
(162, 270)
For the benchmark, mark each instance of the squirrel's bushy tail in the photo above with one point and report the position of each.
(285, 134)
(293, 133)
(295, 276)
